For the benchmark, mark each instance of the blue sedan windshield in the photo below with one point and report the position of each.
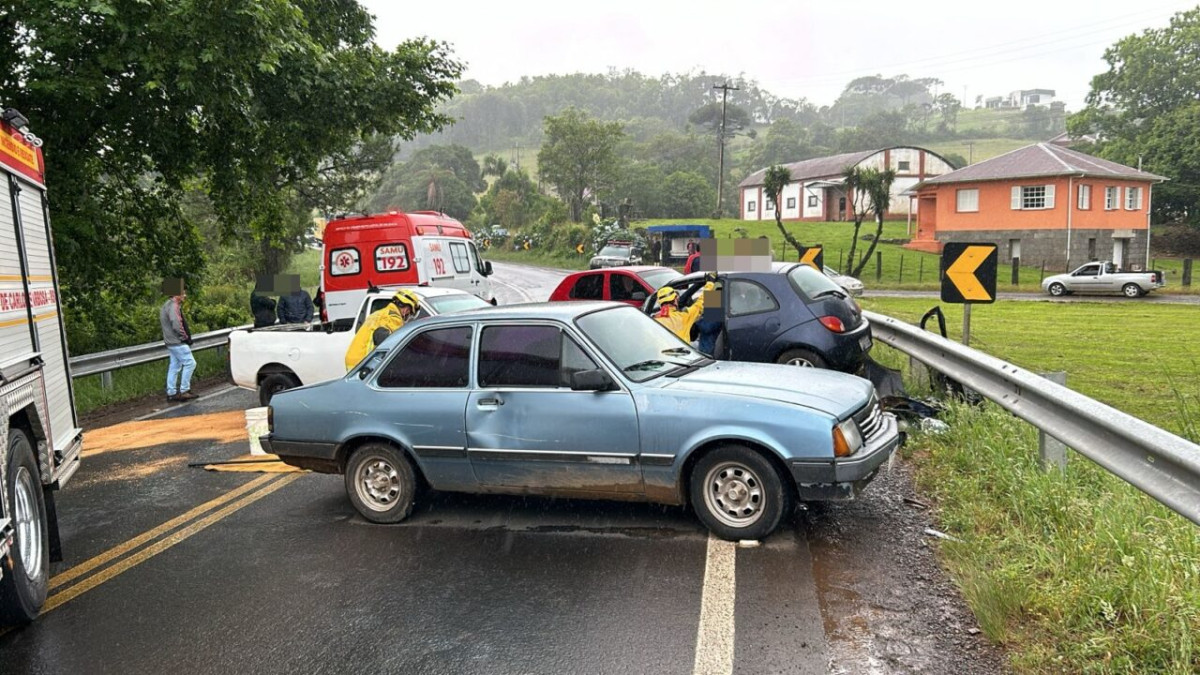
(635, 343)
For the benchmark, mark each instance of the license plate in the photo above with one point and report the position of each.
(865, 343)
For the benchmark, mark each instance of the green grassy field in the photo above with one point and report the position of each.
(1076, 572)
(977, 149)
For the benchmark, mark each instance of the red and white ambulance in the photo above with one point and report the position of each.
(421, 248)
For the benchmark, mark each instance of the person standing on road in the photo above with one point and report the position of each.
(178, 338)
(295, 304)
(680, 321)
(380, 325)
(261, 306)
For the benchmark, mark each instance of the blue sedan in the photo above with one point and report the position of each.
(590, 400)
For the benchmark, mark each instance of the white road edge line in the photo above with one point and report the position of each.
(714, 637)
(169, 408)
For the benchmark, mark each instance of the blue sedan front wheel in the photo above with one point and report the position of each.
(737, 493)
(380, 483)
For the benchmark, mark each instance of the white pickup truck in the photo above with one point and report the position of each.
(1103, 277)
(275, 358)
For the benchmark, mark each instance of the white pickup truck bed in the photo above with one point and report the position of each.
(280, 357)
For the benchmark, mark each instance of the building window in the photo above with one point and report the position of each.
(770, 205)
(1110, 198)
(903, 165)
(1133, 199)
(1085, 197)
(968, 200)
(812, 200)
(750, 206)
(791, 202)
(1033, 197)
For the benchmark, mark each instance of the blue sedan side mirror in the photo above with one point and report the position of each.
(591, 380)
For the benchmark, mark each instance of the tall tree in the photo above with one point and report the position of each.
(1145, 106)
(136, 97)
(774, 180)
(578, 157)
(878, 186)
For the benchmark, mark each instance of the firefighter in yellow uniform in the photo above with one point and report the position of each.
(679, 321)
(381, 324)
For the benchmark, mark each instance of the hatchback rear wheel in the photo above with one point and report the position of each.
(801, 357)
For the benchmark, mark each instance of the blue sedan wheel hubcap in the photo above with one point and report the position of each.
(378, 484)
(733, 494)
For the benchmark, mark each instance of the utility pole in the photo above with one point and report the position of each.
(971, 150)
(721, 143)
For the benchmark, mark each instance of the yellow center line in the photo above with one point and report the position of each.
(162, 545)
(120, 550)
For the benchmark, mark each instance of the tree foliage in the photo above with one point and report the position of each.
(579, 157)
(774, 180)
(1146, 106)
(261, 100)
(442, 178)
(868, 192)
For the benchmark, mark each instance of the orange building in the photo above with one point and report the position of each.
(1043, 204)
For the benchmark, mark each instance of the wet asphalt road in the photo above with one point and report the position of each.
(170, 567)
(295, 582)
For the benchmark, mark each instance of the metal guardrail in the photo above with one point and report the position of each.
(1157, 462)
(114, 359)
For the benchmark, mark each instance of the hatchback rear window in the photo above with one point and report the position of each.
(810, 283)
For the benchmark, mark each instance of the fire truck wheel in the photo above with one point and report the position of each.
(27, 568)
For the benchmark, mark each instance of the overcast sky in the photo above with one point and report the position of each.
(793, 49)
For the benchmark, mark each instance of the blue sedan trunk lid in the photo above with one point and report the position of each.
(837, 394)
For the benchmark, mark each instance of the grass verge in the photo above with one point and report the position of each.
(1074, 572)
(141, 380)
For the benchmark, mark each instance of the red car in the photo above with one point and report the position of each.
(631, 285)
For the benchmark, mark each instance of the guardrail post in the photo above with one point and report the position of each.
(1051, 452)
(106, 380)
(901, 276)
(920, 269)
(1016, 271)
(1187, 272)
(878, 265)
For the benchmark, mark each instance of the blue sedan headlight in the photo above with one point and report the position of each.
(847, 439)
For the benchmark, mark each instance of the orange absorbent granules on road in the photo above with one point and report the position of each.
(220, 427)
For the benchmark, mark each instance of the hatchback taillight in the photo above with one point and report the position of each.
(833, 323)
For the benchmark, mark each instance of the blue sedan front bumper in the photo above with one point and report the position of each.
(843, 478)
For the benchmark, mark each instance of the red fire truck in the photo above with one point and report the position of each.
(40, 438)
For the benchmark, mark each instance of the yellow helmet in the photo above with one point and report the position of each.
(667, 294)
(404, 297)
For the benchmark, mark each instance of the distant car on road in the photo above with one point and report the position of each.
(795, 316)
(850, 284)
(631, 285)
(590, 400)
(617, 254)
(1103, 277)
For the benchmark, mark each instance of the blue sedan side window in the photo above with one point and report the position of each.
(434, 359)
(528, 356)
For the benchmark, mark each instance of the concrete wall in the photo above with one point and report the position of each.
(1050, 246)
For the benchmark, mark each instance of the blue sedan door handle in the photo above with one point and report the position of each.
(491, 402)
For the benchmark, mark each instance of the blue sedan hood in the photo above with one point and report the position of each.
(837, 394)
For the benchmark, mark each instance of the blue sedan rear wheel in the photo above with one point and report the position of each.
(737, 493)
(380, 483)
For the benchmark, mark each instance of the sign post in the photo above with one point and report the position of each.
(968, 277)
